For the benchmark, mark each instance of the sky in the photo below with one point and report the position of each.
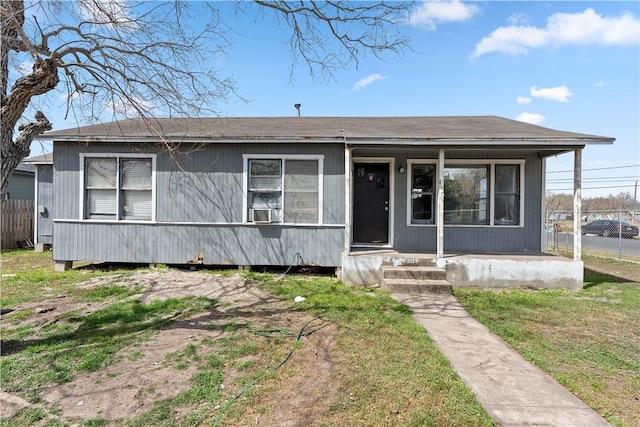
(572, 66)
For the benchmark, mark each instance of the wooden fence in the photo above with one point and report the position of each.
(17, 223)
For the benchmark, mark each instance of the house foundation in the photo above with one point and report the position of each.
(61, 266)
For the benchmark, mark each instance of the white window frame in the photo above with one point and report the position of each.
(118, 156)
(409, 173)
(282, 157)
(492, 170)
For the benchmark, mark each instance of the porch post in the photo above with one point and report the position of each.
(440, 207)
(347, 198)
(577, 204)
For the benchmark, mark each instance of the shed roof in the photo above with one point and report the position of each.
(46, 158)
(25, 168)
(399, 130)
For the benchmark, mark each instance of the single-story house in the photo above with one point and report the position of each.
(354, 193)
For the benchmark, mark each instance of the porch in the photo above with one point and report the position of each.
(536, 271)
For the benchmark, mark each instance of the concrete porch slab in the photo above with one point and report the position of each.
(537, 271)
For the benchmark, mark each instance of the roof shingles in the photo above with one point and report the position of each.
(411, 128)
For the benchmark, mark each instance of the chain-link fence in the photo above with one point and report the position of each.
(606, 233)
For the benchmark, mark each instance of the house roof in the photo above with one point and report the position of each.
(354, 130)
(46, 158)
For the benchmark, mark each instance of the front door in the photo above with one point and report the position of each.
(371, 203)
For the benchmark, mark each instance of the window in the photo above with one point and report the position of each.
(475, 192)
(465, 195)
(507, 195)
(265, 184)
(118, 188)
(284, 190)
(422, 190)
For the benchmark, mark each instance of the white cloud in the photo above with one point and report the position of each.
(560, 93)
(532, 118)
(523, 100)
(110, 14)
(584, 28)
(601, 83)
(518, 19)
(368, 80)
(70, 96)
(129, 107)
(431, 13)
(25, 67)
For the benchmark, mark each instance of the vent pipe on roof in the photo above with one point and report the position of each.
(297, 106)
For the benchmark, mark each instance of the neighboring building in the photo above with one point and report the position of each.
(261, 191)
(16, 218)
(43, 196)
(21, 183)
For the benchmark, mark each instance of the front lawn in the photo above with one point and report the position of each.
(212, 348)
(588, 340)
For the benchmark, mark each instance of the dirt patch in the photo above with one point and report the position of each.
(143, 375)
(301, 394)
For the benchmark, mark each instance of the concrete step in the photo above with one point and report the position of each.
(409, 261)
(414, 272)
(413, 286)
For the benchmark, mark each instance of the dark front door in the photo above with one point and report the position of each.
(371, 203)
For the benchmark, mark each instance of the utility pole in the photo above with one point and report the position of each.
(635, 199)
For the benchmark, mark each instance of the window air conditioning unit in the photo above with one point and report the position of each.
(261, 216)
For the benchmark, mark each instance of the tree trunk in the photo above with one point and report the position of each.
(43, 78)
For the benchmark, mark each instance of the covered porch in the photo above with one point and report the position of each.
(488, 255)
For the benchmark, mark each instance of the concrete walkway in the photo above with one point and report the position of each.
(511, 390)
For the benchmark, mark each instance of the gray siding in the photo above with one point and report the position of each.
(199, 204)
(44, 205)
(470, 239)
(203, 185)
(175, 244)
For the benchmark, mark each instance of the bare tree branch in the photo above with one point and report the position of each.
(137, 58)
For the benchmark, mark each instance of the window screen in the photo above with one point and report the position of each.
(290, 188)
(301, 191)
(117, 188)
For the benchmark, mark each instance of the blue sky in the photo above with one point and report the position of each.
(571, 66)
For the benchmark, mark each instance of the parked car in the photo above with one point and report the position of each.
(606, 227)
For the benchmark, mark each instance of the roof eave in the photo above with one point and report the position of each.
(485, 141)
(341, 139)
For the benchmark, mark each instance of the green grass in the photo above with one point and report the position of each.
(389, 365)
(386, 365)
(627, 268)
(28, 276)
(86, 343)
(587, 340)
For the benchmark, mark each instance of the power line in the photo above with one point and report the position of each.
(597, 169)
(603, 178)
(591, 188)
